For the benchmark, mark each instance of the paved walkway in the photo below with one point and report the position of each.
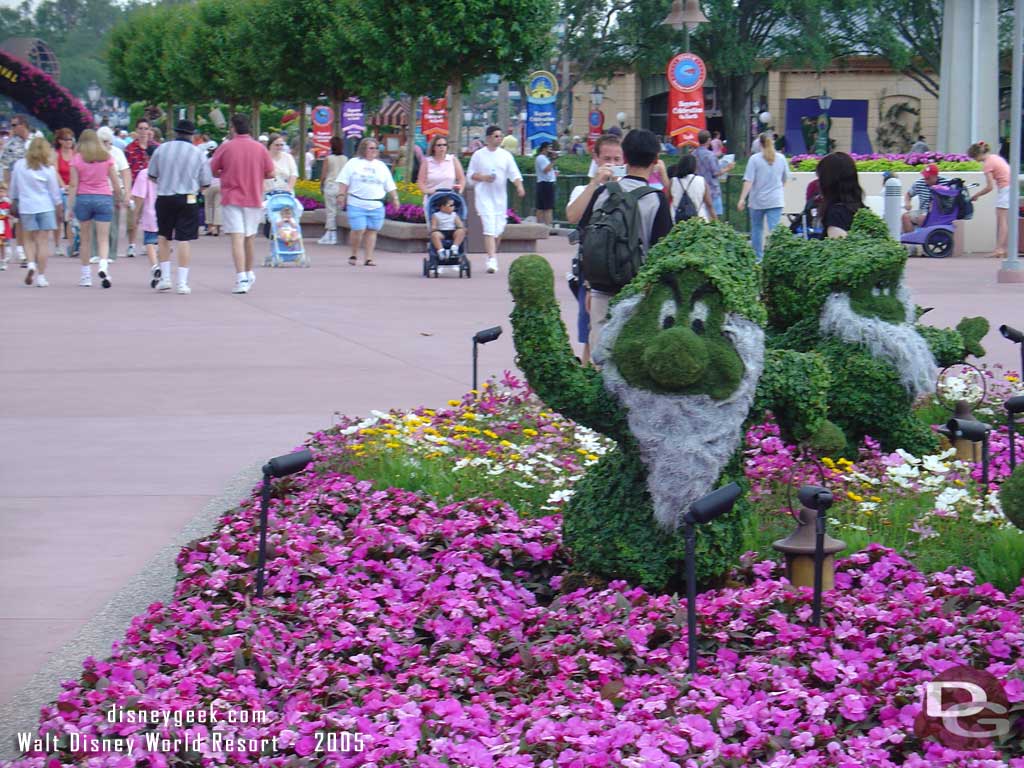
(128, 410)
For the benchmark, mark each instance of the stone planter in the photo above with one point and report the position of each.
(406, 237)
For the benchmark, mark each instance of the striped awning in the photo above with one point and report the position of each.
(391, 113)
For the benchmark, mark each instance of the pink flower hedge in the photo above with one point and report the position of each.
(457, 636)
(43, 97)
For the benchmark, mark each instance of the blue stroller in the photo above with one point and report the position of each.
(434, 261)
(286, 247)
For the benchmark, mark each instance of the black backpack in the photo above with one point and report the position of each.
(613, 246)
(686, 209)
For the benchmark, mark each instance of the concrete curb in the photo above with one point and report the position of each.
(154, 583)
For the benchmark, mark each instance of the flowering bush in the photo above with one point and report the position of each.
(308, 203)
(895, 162)
(42, 96)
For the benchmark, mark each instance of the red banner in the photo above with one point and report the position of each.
(435, 117)
(323, 129)
(595, 123)
(686, 74)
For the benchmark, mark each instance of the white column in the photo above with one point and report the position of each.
(969, 77)
(1011, 270)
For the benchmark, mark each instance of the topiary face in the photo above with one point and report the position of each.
(674, 343)
(877, 296)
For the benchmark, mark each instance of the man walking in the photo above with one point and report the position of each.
(13, 151)
(180, 170)
(138, 153)
(491, 167)
(241, 164)
(707, 166)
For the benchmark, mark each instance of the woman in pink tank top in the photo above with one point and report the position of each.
(93, 192)
(440, 170)
(997, 177)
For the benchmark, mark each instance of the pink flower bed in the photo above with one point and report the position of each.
(456, 636)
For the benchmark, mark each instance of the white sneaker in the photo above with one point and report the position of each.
(42, 282)
(251, 277)
(131, 251)
(94, 260)
(183, 289)
(325, 240)
(3, 265)
(154, 276)
(241, 286)
(21, 253)
(85, 281)
(30, 275)
(492, 265)
(58, 251)
(164, 284)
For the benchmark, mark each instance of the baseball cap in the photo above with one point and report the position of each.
(930, 170)
(104, 133)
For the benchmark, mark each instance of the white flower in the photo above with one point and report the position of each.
(935, 464)
(908, 457)
(557, 497)
(949, 498)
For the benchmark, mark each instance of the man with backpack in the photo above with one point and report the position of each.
(625, 219)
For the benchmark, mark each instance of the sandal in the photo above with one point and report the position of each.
(352, 260)
(369, 263)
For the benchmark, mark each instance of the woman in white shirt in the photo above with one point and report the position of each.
(686, 180)
(766, 173)
(285, 170)
(35, 193)
(363, 184)
(333, 163)
(546, 175)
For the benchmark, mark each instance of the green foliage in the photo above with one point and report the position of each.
(1011, 496)
(794, 386)
(716, 250)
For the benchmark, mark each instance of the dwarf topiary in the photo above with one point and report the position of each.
(681, 357)
(1011, 497)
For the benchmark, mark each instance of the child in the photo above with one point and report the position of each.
(144, 195)
(445, 224)
(6, 226)
(287, 232)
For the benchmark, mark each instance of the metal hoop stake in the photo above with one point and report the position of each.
(819, 565)
(263, 533)
(690, 533)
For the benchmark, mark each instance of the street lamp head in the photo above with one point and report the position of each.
(1015, 404)
(714, 505)
(597, 96)
(288, 464)
(686, 14)
(815, 497)
(1017, 337)
(621, 118)
(969, 429)
(487, 335)
(824, 101)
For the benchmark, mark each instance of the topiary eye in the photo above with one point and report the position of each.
(698, 317)
(667, 315)
(698, 326)
(668, 322)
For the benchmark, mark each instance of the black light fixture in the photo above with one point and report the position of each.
(597, 96)
(485, 336)
(279, 466)
(819, 499)
(976, 432)
(1013, 406)
(1017, 337)
(704, 510)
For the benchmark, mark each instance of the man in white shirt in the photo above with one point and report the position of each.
(490, 168)
(106, 135)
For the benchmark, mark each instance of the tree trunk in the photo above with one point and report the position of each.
(255, 121)
(410, 139)
(302, 141)
(192, 113)
(455, 116)
(336, 108)
(733, 94)
(503, 121)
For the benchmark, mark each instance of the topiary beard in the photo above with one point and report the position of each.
(685, 441)
(899, 344)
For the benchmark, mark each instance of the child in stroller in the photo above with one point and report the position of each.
(950, 201)
(446, 212)
(283, 212)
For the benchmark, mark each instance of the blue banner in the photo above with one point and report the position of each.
(541, 115)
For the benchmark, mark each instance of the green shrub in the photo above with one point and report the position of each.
(1011, 496)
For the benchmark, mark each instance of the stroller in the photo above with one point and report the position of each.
(949, 203)
(807, 223)
(434, 261)
(286, 247)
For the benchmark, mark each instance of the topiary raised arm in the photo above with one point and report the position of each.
(954, 346)
(794, 387)
(545, 354)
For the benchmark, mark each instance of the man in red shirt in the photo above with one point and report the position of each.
(138, 153)
(242, 164)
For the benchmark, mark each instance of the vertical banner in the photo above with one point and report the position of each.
(323, 129)
(434, 121)
(353, 121)
(541, 114)
(686, 74)
(595, 123)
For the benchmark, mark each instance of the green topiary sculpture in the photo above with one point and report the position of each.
(681, 358)
(845, 299)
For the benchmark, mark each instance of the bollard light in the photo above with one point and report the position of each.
(1013, 406)
(279, 466)
(976, 432)
(704, 510)
(485, 336)
(1017, 337)
(810, 553)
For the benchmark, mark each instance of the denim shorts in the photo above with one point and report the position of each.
(361, 218)
(150, 238)
(94, 207)
(36, 222)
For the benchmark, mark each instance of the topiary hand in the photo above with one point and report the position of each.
(828, 439)
(531, 281)
(973, 330)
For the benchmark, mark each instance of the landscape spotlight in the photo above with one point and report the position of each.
(819, 499)
(1017, 337)
(279, 466)
(704, 510)
(1013, 406)
(976, 432)
(485, 336)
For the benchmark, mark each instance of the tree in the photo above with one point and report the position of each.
(435, 50)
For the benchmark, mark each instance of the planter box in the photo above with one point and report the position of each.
(406, 237)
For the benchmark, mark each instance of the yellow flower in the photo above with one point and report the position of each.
(393, 445)
(430, 431)
(1012, 379)
(854, 497)
(591, 457)
(581, 451)
(492, 435)
(454, 403)
(469, 416)
(958, 482)
(828, 462)
(506, 444)
(530, 432)
(876, 498)
(514, 457)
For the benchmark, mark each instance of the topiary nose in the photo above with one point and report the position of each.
(676, 358)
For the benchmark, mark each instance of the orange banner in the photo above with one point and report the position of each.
(435, 117)
(686, 75)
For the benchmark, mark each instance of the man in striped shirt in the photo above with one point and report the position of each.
(180, 170)
(922, 190)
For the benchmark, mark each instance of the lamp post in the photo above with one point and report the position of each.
(621, 119)
(976, 432)
(685, 16)
(821, 146)
(467, 118)
(704, 510)
(485, 336)
(522, 132)
(279, 466)
(1013, 406)
(1017, 337)
(597, 96)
